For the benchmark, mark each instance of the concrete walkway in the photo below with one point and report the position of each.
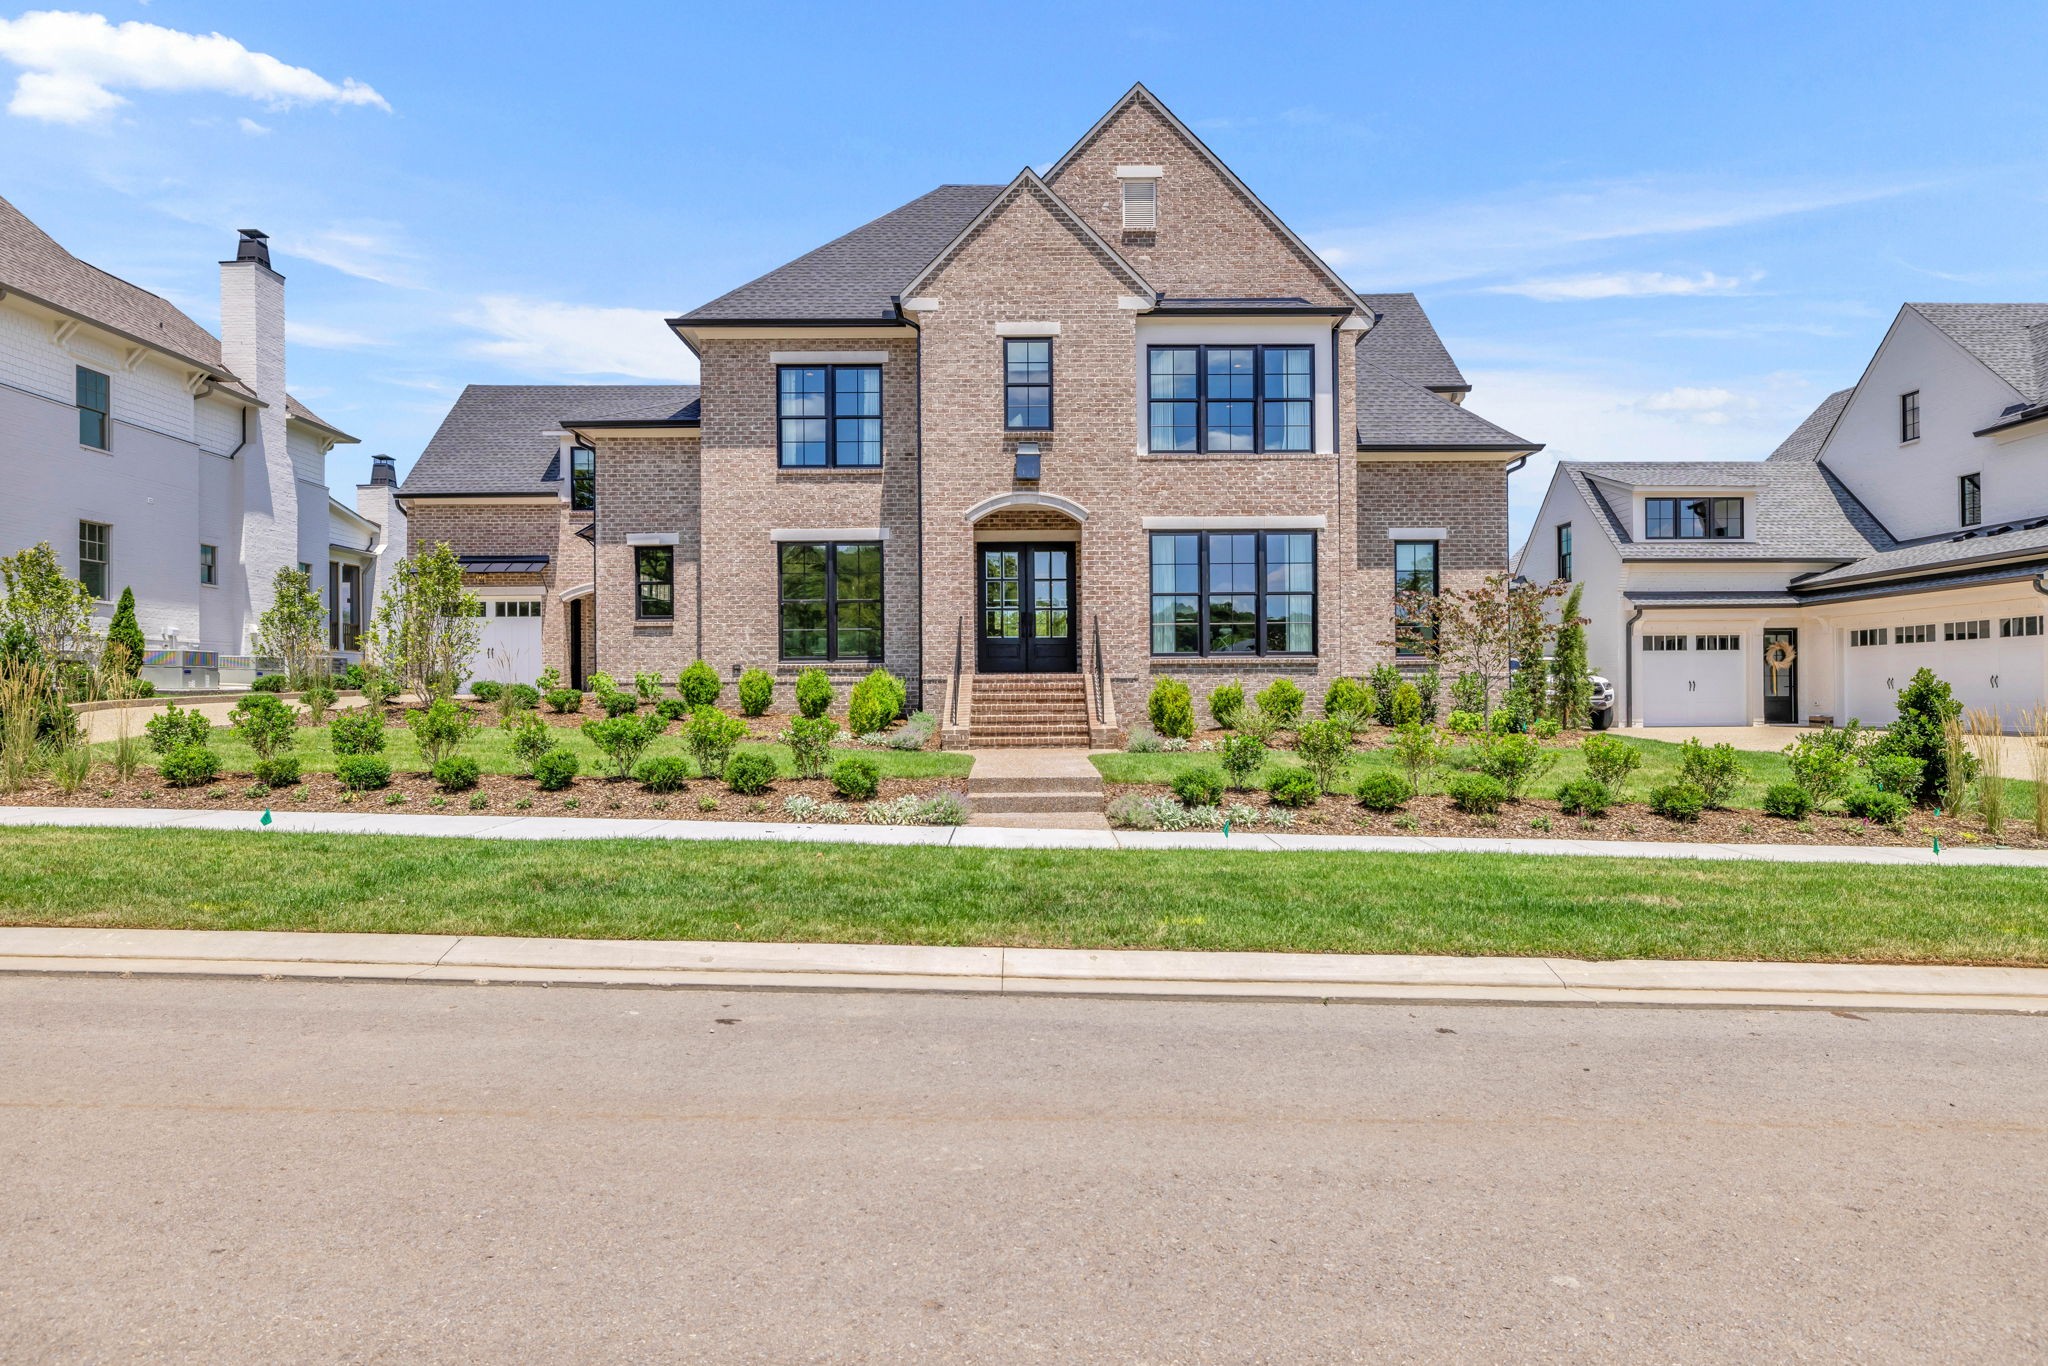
(1043, 789)
(380, 822)
(1005, 971)
(104, 723)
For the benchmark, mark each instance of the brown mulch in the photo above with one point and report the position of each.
(765, 727)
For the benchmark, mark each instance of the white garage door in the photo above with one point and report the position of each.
(509, 648)
(1693, 680)
(1876, 665)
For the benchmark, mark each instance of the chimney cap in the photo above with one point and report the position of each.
(383, 470)
(254, 245)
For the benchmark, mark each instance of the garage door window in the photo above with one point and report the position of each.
(1966, 630)
(1665, 643)
(1717, 643)
(515, 609)
(1874, 636)
(2008, 627)
(1915, 635)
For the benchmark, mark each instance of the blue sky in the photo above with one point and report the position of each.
(1647, 232)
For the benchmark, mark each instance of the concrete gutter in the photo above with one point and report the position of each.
(1308, 977)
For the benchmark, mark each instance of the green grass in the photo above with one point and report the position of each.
(1356, 903)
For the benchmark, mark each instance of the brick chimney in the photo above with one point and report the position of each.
(252, 346)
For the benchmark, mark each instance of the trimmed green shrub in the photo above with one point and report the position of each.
(457, 773)
(531, 737)
(1680, 801)
(813, 693)
(1325, 746)
(1787, 801)
(1407, 708)
(699, 685)
(671, 709)
(711, 736)
(1384, 680)
(1873, 804)
(1381, 790)
(1281, 699)
(810, 743)
(1610, 759)
(617, 704)
(1351, 702)
(518, 697)
(484, 690)
(1584, 797)
(623, 739)
(750, 772)
(440, 729)
(190, 766)
(874, 702)
(857, 778)
(664, 773)
(1243, 756)
(757, 692)
(1900, 773)
(1515, 760)
(359, 731)
(265, 723)
(1171, 709)
(1226, 705)
(1715, 770)
(1198, 787)
(1475, 794)
(125, 631)
(278, 771)
(1462, 722)
(178, 728)
(1545, 729)
(1295, 787)
(1926, 705)
(268, 683)
(564, 700)
(1824, 762)
(363, 772)
(556, 769)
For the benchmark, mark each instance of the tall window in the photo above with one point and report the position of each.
(831, 600)
(1238, 592)
(93, 409)
(1027, 383)
(209, 564)
(1415, 571)
(1231, 398)
(1909, 416)
(1972, 498)
(582, 478)
(1692, 519)
(829, 415)
(654, 578)
(94, 540)
(1564, 551)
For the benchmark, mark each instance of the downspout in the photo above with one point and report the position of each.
(1628, 663)
(245, 434)
(2041, 583)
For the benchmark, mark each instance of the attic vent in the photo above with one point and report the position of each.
(1141, 205)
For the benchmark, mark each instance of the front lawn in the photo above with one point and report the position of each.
(1352, 903)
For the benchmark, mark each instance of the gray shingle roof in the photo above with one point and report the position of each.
(1926, 583)
(1800, 512)
(2013, 538)
(495, 439)
(1404, 341)
(1809, 436)
(1997, 335)
(1731, 598)
(859, 275)
(1396, 413)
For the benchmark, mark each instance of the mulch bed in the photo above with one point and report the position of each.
(763, 729)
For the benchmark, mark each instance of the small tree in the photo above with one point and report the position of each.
(294, 630)
(427, 624)
(126, 632)
(1928, 710)
(1476, 630)
(1571, 688)
(45, 614)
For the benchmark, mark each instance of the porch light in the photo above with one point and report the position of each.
(1027, 461)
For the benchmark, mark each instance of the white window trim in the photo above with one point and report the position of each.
(1027, 329)
(1418, 533)
(828, 357)
(1141, 173)
(1315, 523)
(830, 533)
(653, 538)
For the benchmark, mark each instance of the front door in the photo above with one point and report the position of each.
(1781, 676)
(1027, 615)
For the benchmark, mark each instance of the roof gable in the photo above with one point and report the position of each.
(1997, 335)
(1809, 436)
(1397, 414)
(1028, 185)
(500, 438)
(1404, 341)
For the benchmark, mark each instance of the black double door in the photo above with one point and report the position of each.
(1027, 609)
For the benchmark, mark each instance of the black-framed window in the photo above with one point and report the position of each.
(1564, 551)
(582, 478)
(1233, 592)
(1970, 489)
(1415, 572)
(95, 409)
(2010, 627)
(1230, 398)
(1915, 635)
(209, 564)
(1027, 383)
(654, 581)
(95, 554)
(1869, 635)
(1692, 519)
(1909, 416)
(1965, 630)
(830, 599)
(828, 415)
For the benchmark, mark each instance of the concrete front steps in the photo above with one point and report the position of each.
(1035, 711)
(1024, 787)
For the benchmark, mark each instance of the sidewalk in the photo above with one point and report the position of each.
(982, 837)
(1011, 972)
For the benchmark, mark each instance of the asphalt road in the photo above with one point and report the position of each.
(270, 1172)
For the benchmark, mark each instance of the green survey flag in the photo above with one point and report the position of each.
(266, 817)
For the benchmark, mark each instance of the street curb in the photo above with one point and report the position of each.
(1300, 977)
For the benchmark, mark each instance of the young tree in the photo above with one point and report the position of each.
(126, 632)
(1571, 688)
(1476, 630)
(45, 613)
(295, 629)
(427, 624)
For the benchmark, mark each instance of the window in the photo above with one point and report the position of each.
(523, 607)
(1141, 205)
(582, 479)
(208, 564)
(831, 600)
(1972, 499)
(1234, 593)
(1909, 416)
(1027, 383)
(1564, 552)
(1873, 636)
(1692, 519)
(93, 409)
(1712, 643)
(2009, 627)
(1415, 571)
(344, 606)
(1913, 635)
(1966, 630)
(1663, 643)
(1230, 398)
(829, 415)
(654, 576)
(94, 539)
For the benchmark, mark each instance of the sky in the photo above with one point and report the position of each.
(1646, 232)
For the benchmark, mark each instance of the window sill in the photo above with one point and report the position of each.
(861, 667)
(1237, 661)
(831, 469)
(1233, 455)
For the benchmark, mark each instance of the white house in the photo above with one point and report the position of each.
(1904, 524)
(155, 456)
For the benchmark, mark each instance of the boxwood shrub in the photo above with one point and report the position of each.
(484, 690)
(1294, 787)
(1787, 801)
(556, 769)
(1171, 710)
(1198, 787)
(1281, 699)
(268, 683)
(189, 766)
(619, 703)
(757, 691)
(699, 685)
(750, 772)
(363, 772)
(1382, 790)
(664, 773)
(565, 700)
(856, 778)
(280, 770)
(1876, 804)
(457, 773)
(1476, 794)
(1584, 797)
(813, 693)
(875, 701)
(1680, 801)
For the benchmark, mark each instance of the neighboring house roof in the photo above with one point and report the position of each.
(1939, 553)
(1809, 436)
(1997, 335)
(1710, 598)
(299, 412)
(1404, 341)
(1801, 511)
(498, 438)
(1398, 414)
(859, 276)
(1927, 583)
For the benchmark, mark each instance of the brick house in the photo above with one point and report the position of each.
(1060, 437)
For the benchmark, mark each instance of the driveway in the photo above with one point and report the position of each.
(1775, 738)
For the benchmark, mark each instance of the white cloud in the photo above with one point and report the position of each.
(327, 338)
(251, 127)
(1686, 400)
(374, 253)
(72, 65)
(1622, 284)
(547, 338)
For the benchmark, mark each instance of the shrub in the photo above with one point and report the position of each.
(1380, 790)
(363, 772)
(1407, 707)
(518, 697)
(1226, 705)
(317, 698)
(564, 700)
(1462, 722)
(757, 692)
(352, 677)
(1787, 801)
(457, 773)
(531, 738)
(1874, 804)
(1243, 755)
(1468, 693)
(178, 728)
(1325, 746)
(1198, 787)
(268, 683)
(1584, 797)
(647, 686)
(1545, 729)
(1476, 794)
(1281, 700)
(856, 778)
(623, 739)
(485, 690)
(264, 723)
(278, 771)
(556, 769)
(1900, 773)
(810, 743)
(440, 729)
(710, 736)
(549, 679)
(1170, 709)
(813, 693)
(1715, 770)
(617, 704)
(750, 772)
(378, 687)
(1416, 748)
(1680, 801)
(1514, 761)
(359, 731)
(1351, 702)
(189, 766)
(663, 773)
(1926, 708)
(1384, 680)
(1142, 740)
(1610, 759)
(1823, 762)
(699, 685)
(599, 683)
(1427, 685)
(874, 702)
(1294, 787)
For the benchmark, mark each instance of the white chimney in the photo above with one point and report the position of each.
(252, 346)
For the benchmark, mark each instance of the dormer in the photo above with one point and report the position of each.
(1695, 514)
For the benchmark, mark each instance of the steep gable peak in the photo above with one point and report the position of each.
(1028, 184)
